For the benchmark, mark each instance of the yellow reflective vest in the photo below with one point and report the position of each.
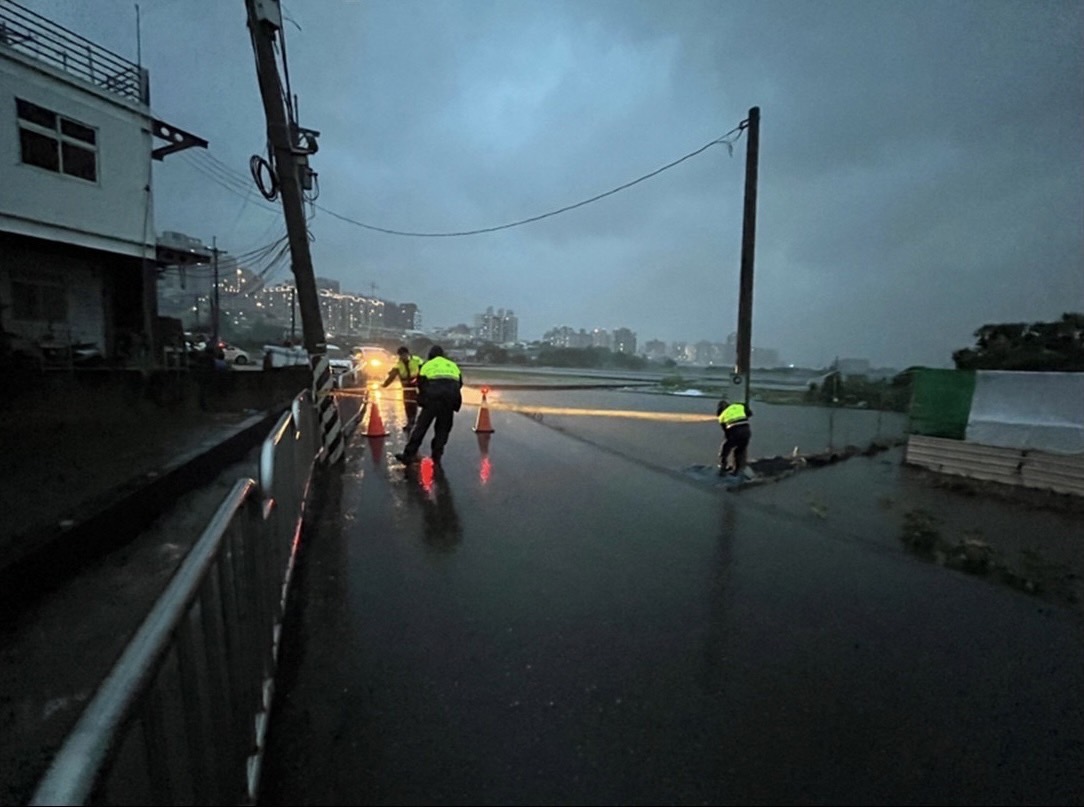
(440, 367)
(408, 370)
(734, 415)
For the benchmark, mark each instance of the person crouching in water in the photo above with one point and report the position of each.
(406, 370)
(734, 420)
(440, 396)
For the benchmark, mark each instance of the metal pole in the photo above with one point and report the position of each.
(293, 316)
(748, 247)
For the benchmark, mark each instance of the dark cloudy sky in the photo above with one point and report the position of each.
(921, 166)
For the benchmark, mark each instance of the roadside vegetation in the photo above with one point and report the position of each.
(923, 534)
(859, 391)
(1044, 346)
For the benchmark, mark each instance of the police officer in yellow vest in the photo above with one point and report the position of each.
(440, 384)
(734, 420)
(406, 371)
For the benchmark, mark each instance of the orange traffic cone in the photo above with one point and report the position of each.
(375, 426)
(482, 424)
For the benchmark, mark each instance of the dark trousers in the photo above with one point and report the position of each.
(410, 406)
(443, 414)
(737, 441)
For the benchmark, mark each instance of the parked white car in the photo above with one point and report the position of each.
(234, 355)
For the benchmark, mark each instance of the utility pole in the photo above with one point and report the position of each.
(290, 156)
(214, 290)
(264, 20)
(744, 347)
(293, 316)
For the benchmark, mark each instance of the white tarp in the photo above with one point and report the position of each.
(1042, 411)
(281, 356)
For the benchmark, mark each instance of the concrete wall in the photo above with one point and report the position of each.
(78, 274)
(119, 394)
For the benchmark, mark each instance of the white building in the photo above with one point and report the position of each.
(79, 255)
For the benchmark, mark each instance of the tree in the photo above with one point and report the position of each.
(1044, 346)
(489, 353)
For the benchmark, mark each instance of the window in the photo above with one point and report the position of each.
(43, 300)
(56, 143)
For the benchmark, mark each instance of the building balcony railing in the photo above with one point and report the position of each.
(39, 38)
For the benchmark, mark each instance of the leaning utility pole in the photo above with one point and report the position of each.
(744, 347)
(290, 157)
(264, 19)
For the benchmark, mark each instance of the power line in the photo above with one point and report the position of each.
(736, 131)
(227, 183)
(239, 184)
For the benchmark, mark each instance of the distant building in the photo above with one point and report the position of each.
(564, 336)
(500, 327)
(707, 353)
(683, 352)
(655, 349)
(187, 292)
(624, 341)
(408, 317)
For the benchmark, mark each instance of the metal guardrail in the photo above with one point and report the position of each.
(41, 39)
(46, 41)
(182, 716)
(353, 398)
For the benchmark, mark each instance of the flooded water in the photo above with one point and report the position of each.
(868, 500)
(676, 431)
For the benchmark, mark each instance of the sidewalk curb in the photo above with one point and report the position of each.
(57, 552)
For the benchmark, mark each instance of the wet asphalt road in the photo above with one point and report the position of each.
(549, 622)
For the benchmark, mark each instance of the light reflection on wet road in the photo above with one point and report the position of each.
(549, 622)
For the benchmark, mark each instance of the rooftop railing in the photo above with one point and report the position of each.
(39, 38)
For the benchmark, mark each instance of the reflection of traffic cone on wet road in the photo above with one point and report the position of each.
(484, 468)
(375, 425)
(482, 424)
(376, 450)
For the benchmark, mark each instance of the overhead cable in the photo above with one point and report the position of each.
(232, 181)
(725, 139)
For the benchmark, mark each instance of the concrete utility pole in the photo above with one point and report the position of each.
(264, 19)
(744, 347)
(290, 159)
(214, 289)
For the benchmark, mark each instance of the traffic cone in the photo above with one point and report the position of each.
(375, 425)
(482, 424)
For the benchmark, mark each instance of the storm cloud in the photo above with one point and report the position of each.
(921, 164)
